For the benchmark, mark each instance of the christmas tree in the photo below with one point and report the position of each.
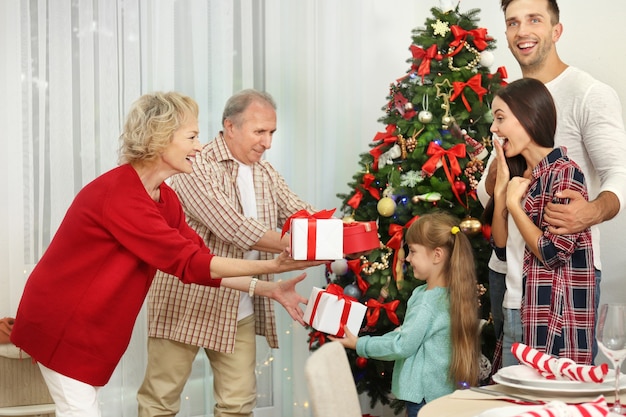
(429, 157)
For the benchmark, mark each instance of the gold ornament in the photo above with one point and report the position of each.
(348, 218)
(447, 120)
(471, 226)
(386, 207)
(369, 268)
(470, 64)
(402, 142)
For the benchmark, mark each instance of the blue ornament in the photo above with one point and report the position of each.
(352, 290)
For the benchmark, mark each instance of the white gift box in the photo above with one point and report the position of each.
(324, 313)
(316, 239)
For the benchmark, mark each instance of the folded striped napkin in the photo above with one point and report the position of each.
(597, 408)
(558, 368)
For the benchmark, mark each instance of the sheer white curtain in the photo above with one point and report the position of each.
(69, 72)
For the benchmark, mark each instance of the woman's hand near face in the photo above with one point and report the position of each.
(502, 172)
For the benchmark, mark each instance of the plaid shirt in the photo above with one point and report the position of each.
(558, 303)
(203, 316)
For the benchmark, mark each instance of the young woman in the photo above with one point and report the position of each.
(436, 349)
(557, 311)
(80, 302)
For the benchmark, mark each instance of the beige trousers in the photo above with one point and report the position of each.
(169, 367)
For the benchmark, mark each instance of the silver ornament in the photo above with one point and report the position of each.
(425, 116)
(352, 290)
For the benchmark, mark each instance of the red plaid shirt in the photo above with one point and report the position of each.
(558, 305)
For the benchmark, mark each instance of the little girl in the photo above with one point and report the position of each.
(437, 347)
(557, 311)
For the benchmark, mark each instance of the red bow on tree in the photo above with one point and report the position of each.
(388, 138)
(474, 83)
(368, 179)
(373, 311)
(316, 335)
(395, 241)
(396, 232)
(438, 154)
(426, 56)
(378, 150)
(501, 71)
(356, 268)
(460, 36)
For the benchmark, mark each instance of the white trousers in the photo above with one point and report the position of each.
(71, 397)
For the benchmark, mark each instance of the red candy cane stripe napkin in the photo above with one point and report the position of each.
(597, 408)
(561, 368)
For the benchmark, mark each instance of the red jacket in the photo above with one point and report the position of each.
(81, 301)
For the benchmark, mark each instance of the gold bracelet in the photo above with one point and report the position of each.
(252, 286)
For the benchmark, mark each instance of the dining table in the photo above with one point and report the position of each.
(469, 403)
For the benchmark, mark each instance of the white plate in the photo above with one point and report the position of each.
(509, 411)
(525, 375)
(515, 410)
(562, 388)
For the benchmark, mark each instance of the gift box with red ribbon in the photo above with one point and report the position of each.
(330, 310)
(360, 237)
(316, 236)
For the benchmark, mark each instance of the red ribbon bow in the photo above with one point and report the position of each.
(501, 71)
(437, 154)
(312, 227)
(355, 200)
(316, 335)
(474, 83)
(368, 179)
(388, 138)
(303, 214)
(460, 36)
(395, 241)
(389, 130)
(373, 311)
(378, 151)
(356, 268)
(426, 56)
(395, 231)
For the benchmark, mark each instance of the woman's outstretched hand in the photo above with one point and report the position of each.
(285, 263)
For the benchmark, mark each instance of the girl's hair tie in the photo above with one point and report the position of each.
(455, 230)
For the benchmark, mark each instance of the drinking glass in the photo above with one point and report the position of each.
(611, 336)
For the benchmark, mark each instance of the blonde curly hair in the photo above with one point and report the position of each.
(151, 123)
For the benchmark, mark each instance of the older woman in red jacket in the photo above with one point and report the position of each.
(80, 302)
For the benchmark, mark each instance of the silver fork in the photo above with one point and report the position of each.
(506, 394)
